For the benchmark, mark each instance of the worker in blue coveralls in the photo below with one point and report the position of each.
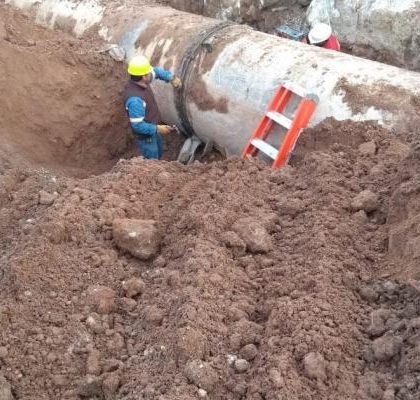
(141, 106)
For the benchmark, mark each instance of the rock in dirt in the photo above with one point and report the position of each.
(93, 321)
(378, 320)
(5, 389)
(46, 198)
(368, 148)
(249, 352)
(366, 201)
(241, 365)
(133, 287)
(164, 178)
(254, 234)
(90, 386)
(201, 374)
(102, 298)
(369, 294)
(141, 238)
(386, 347)
(315, 368)
(360, 217)
(390, 287)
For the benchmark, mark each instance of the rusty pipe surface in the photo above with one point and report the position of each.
(232, 71)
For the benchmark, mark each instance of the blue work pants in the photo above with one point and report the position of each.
(151, 147)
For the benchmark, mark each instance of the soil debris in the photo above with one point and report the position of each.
(281, 280)
(225, 280)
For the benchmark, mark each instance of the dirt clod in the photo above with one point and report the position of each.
(133, 287)
(249, 352)
(234, 242)
(315, 367)
(368, 293)
(102, 298)
(128, 304)
(46, 198)
(93, 363)
(386, 347)
(141, 238)
(368, 148)
(254, 234)
(191, 344)
(90, 386)
(201, 374)
(366, 201)
(153, 315)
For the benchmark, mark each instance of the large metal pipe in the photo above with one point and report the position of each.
(231, 71)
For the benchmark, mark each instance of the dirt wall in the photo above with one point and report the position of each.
(61, 100)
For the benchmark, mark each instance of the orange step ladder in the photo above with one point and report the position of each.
(303, 114)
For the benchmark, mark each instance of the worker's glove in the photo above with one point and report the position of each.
(164, 129)
(176, 82)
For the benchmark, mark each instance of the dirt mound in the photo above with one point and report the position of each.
(56, 106)
(393, 358)
(404, 219)
(258, 290)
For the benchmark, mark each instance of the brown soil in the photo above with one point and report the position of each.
(57, 111)
(267, 284)
(271, 266)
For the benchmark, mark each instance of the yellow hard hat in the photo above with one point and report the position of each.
(139, 66)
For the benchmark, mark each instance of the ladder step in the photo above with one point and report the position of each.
(265, 148)
(280, 119)
(295, 88)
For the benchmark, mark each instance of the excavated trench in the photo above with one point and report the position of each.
(301, 283)
(57, 111)
(61, 103)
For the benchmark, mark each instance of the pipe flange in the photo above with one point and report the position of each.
(184, 71)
